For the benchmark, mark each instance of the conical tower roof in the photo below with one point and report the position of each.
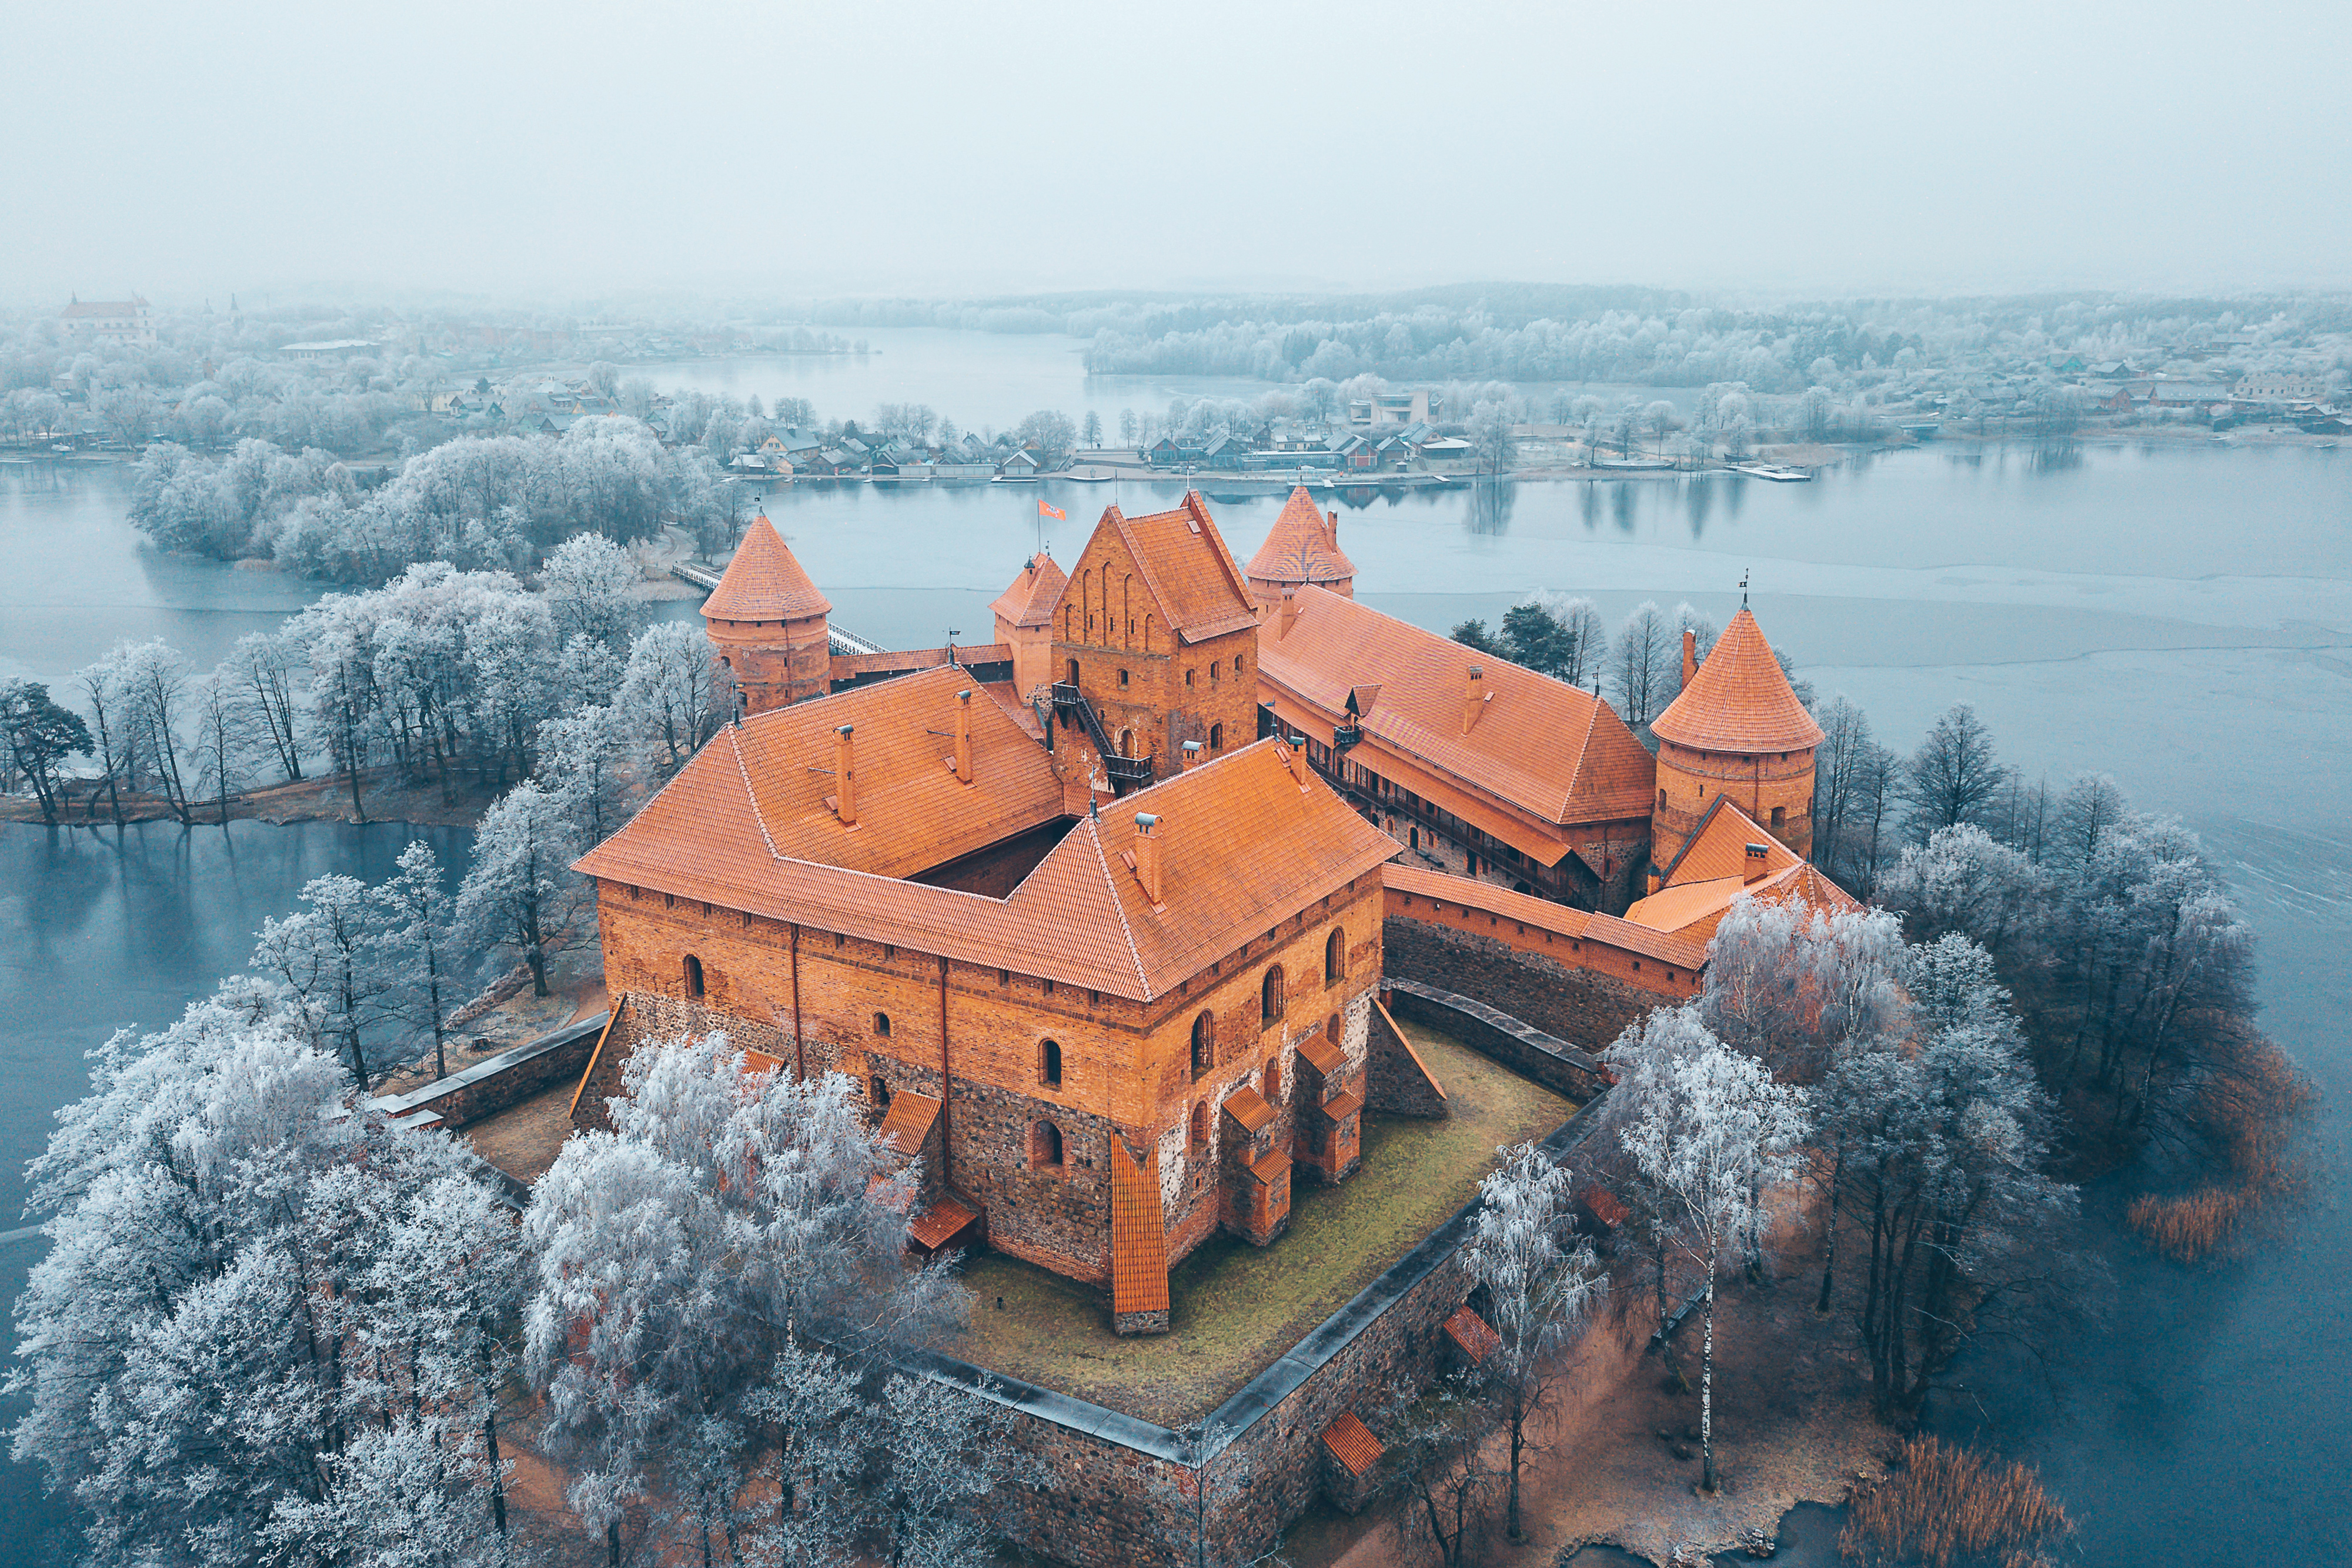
(1739, 701)
(764, 582)
(1029, 601)
(1302, 546)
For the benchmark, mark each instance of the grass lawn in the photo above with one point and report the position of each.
(1237, 1307)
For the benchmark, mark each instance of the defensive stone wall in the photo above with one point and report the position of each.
(496, 1082)
(1517, 1044)
(1128, 1491)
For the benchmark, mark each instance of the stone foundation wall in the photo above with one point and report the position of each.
(1519, 1046)
(1580, 1006)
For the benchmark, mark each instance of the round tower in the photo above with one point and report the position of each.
(766, 621)
(1302, 546)
(1737, 732)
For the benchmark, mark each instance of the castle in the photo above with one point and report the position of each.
(1096, 913)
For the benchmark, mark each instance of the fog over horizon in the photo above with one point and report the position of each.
(601, 152)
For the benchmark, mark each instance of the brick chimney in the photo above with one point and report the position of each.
(1759, 861)
(1335, 527)
(1294, 756)
(845, 799)
(1690, 656)
(1289, 614)
(1187, 754)
(1474, 697)
(963, 737)
(1146, 855)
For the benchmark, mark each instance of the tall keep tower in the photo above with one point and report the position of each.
(766, 621)
(1738, 731)
(1302, 546)
(1155, 630)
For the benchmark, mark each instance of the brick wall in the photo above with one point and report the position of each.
(1126, 1065)
(1690, 781)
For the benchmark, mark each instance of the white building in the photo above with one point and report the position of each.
(110, 321)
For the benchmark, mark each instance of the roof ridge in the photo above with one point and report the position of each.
(751, 796)
(1235, 577)
(1118, 909)
(1667, 876)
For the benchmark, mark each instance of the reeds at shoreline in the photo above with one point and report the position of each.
(1948, 1504)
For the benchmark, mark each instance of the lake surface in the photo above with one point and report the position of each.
(2179, 617)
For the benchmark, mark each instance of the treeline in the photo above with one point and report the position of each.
(476, 502)
(457, 680)
(272, 1326)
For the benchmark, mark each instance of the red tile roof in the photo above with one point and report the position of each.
(1243, 845)
(1302, 546)
(1739, 701)
(1604, 1206)
(1322, 1055)
(1138, 1236)
(940, 1224)
(1560, 754)
(1186, 568)
(1029, 601)
(1352, 1442)
(764, 583)
(907, 1123)
(1248, 1107)
(1472, 1333)
(1710, 875)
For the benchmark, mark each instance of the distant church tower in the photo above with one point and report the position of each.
(766, 621)
(1302, 546)
(1737, 729)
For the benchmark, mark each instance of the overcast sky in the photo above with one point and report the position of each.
(562, 152)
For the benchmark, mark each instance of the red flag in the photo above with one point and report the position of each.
(1047, 510)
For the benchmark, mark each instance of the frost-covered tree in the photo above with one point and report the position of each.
(579, 761)
(331, 956)
(155, 678)
(671, 697)
(1947, 1154)
(1644, 665)
(419, 948)
(1541, 1283)
(267, 1327)
(1702, 628)
(221, 743)
(1710, 1128)
(521, 896)
(1793, 986)
(590, 582)
(686, 1257)
(1962, 880)
(266, 665)
(113, 736)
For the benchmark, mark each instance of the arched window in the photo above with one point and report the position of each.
(882, 1025)
(1127, 743)
(1074, 671)
(1271, 1001)
(1331, 1028)
(1274, 1079)
(694, 977)
(880, 1093)
(1237, 666)
(1216, 737)
(1044, 1144)
(1212, 673)
(1779, 818)
(1200, 1126)
(1204, 1043)
(1335, 957)
(1050, 1063)
(1662, 800)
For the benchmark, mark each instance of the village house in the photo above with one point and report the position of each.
(120, 321)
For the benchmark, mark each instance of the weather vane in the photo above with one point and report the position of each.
(1743, 587)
